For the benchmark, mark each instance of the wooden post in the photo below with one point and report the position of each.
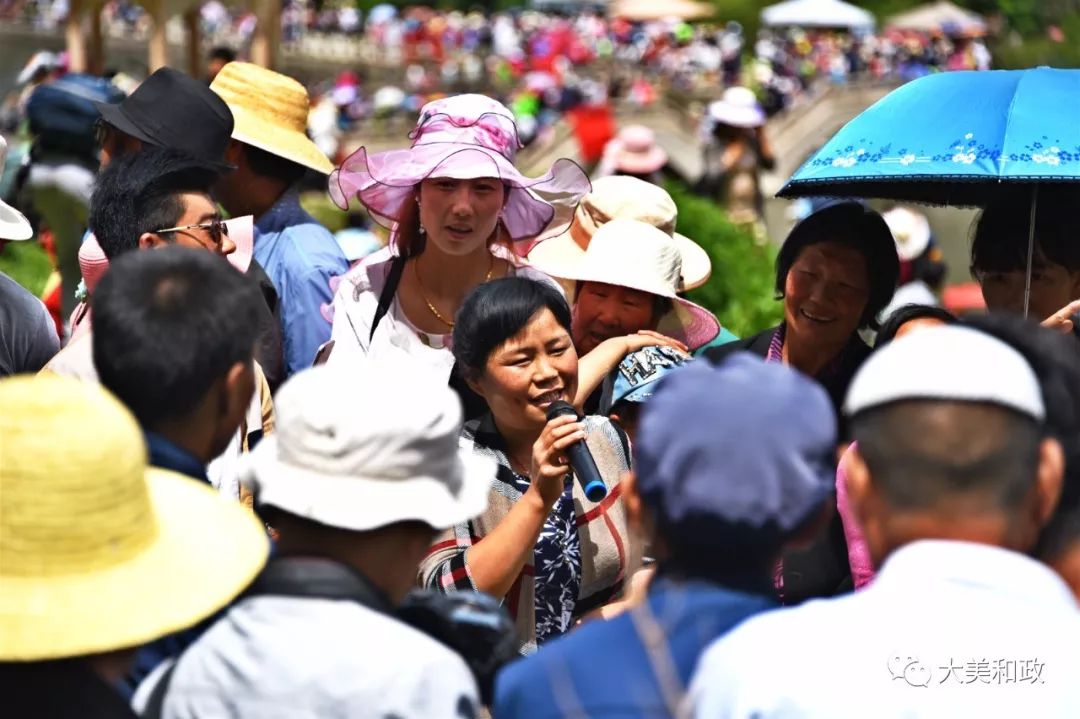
(264, 43)
(95, 53)
(193, 23)
(76, 43)
(158, 49)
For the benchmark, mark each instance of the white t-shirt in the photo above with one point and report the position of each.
(273, 657)
(354, 309)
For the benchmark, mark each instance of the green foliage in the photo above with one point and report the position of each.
(740, 291)
(322, 208)
(27, 264)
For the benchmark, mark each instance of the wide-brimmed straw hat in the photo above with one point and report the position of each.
(620, 197)
(634, 254)
(360, 450)
(738, 107)
(460, 137)
(635, 151)
(13, 224)
(270, 112)
(98, 552)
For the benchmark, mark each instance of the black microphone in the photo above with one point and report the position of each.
(581, 459)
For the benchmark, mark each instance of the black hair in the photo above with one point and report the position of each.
(918, 457)
(1000, 233)
(168, 324)
(222, 52)
(906, 313)
(268, 164)
(139, 192)
(857, 226)
(1053, 356)
(496, 311)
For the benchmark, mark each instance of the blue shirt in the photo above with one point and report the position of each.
(301, 257)
(166, 454)
(603, 670)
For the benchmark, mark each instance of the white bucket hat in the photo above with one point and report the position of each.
(738, 107)
(634, 254)
(910, 230)
(366, 448)
(620, 197)
(13, 224)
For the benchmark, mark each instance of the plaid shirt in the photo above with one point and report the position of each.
(571, 572)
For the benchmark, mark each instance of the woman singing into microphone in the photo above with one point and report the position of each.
(542, 546)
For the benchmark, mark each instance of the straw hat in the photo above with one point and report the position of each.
(97, 551)
(633, 254)
(13, 224)
(270, 112)
(620, 197)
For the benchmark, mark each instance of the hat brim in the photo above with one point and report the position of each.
(557, 256)
(279, 141)
(360, 504)
(640, 163)
(206, 551)
(113, 114)
(383, 182)
(13, 224)
(735, 115)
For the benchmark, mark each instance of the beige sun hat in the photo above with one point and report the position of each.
(362, 450)
(640, 256)
(98, 552)
(620, 197)
(270, 112)
(13, 224)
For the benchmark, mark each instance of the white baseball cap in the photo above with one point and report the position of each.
(947, 363)
(368, 447)
(13, 224)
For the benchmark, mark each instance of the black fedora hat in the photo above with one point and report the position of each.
(171, 109)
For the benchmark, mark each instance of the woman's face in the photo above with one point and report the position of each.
(459, 216)
(825, 294)
(528, 372)
(1052, 287)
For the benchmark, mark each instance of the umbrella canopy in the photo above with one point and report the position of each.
(955, 138)
(942, 16)
(817, 13)
(651, 10)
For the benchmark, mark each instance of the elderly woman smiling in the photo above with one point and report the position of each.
(552, 554)
(835, 272)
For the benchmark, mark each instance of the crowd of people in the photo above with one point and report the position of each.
(502, 464)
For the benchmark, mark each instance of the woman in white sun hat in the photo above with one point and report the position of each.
(28, 337)
(735, 151)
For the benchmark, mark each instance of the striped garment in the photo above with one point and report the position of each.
(584, 550)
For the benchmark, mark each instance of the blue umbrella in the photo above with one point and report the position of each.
(955, 138)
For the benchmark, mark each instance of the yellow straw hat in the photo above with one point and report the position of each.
(97, 551)
(270, 112)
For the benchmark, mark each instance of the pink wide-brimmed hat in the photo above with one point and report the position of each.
(460, 137)
(636, 152)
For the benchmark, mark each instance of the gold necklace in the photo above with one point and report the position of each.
(430, 306)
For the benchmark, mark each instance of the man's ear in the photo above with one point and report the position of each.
(1048, 479)
(632, 502)
(238, 388)
(149, 241)
(234, 154)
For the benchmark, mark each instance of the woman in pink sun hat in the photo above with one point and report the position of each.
(459, 213)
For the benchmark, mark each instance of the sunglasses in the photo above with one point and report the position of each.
(216, 227)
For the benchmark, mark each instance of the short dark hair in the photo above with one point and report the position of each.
(222, 52)
(921, 451)
(496, 311)
(854, 225)
(1053, 356)
(168, 324)
(1000, 236)
(906, 313)
(139, 193)
(268, 164)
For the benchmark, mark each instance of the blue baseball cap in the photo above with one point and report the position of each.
(744, 445)
(636, 377)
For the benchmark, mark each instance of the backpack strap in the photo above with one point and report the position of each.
(393, 279)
